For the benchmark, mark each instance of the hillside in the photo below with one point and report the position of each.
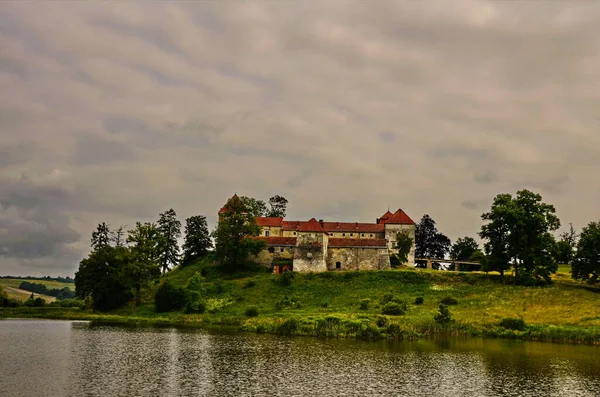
(11, 287)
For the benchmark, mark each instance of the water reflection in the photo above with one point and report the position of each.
(76, 358)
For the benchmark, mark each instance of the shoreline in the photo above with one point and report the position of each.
(355, 327)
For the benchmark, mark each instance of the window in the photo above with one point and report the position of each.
(362, 235)
(343, 234)
(294, 233)
(282, 250)
(271, 250)
(338, 265)
(370, 235)
(351, 234)
(267, 233)
(331, 234)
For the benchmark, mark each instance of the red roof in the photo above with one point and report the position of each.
(311, 226)
(278, 240)
(353, 227)
(267, 221)
(399, 218)
(357, 242)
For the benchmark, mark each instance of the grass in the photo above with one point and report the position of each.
(50, 284)
(331, 304)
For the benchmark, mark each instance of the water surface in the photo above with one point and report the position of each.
(60, 358)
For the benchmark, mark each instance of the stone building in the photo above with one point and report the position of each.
(318, 246)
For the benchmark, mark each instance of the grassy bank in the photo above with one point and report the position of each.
(350, 304)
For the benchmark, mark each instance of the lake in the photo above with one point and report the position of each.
(60, 358)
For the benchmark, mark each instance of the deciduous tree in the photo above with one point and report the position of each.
(429, 242)
(464, 248)
(101, 237)
(145, 242)
(586, 265)
(278, 206)
(404, 244)
(197, 240)
(253, 206)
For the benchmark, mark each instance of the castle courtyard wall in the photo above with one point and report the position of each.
(355, 258)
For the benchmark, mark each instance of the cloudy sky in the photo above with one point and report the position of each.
(117, 111)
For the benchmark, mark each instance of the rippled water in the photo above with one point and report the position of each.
(60, 358)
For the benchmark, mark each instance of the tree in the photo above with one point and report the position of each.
(101, 237)
(170, 228)
(464, 248)
(586, 264)
(253, 206)
(404, 244)
(233, 235)
(197, 240)
(429, 243)
(144, 256)
(99, 276)
(518, 230)
(118, 236)
(278, 206)
(565, 247)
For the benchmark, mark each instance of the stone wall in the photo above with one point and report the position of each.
(390, 235)
(310, 252)
(267, 258)
(358, 258)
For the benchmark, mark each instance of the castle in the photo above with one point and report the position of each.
(319, 246)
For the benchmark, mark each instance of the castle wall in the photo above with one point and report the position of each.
(268, 259)
(274, 231)
(390, 235)
(310, 252)
(358, 258)
(356, 235)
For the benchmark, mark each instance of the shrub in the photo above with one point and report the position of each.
(419, 300)
(286, 278)
(448, 300)
(382, 321)
(288, 327)
(168, 297)
(517, 324)
(395, 261)
(219, 287)
(252, 311)
(37, 302)
(287, 302)
(364, 304)
(195, 306)
(394, 309)
(443, 316)
(249, 284)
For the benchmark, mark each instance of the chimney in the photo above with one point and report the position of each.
(321, 222)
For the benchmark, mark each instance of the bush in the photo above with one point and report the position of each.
(443, 316)
(364, 304)
(195, 306)
(252, 311)
(419, 300)
(395, 261)
(286, 278)
(37, 302)
(517, 324)
(394, 309)
(448, 300)
(169, 297)
(286, 302)
(382, 321)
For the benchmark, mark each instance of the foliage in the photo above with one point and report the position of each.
(197, 240)
(518, 230)
(143, 256)
(463, 248)
(233, 235)
(404, 244)
(169, 297)
(35, 302)
(286, 278)
(586, 265)
(429, 243)
(101, 237)
(395, 261)
(278, 206)
(448, 300)
(513, 323)
(419, 300)
(38, 288)
(249, 284)
(443, 315)
(364, 304)
(287, 302)
(565, 247)
(252, 311)
(394, 309)
(253, 206)
(100, 277)
(170, 228)
(118, 236)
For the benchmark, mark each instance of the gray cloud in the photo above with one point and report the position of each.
(118, 111)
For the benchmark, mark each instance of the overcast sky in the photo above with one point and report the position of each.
(117, 111)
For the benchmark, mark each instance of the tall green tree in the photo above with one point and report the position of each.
(253, 206)
(101, 237)
(404, 244)
(118, 236)
(278, 206)
(586, 265)
(197, 241)
(170, 228)
(146, 242)
(463, 248)
(565, 247)
(429, 242)
(518, 230)
(233, 235)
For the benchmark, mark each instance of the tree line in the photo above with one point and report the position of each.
(517, 236)
(122, 262)
(38, 288)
